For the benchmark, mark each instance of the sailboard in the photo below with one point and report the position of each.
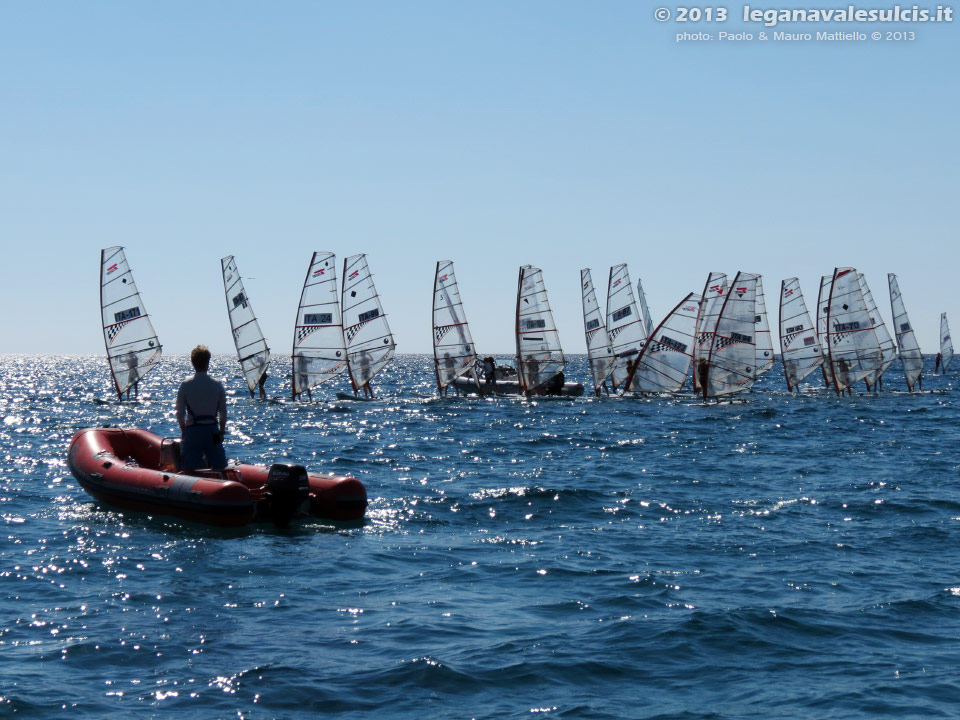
(909, 348)
(946, 344)
(133, 349)
(540, 360)
(453, 351)
(599, 349)
(888, 351)
(854, 347)
(318, 353)
(624, 324)
(664, 361)
(732, 362)
(764, 340)
(799, 347)
(252, 350)
(369, 342)
(714, 290)
(648, 327)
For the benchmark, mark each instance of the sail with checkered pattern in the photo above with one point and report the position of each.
(799, 347)
(664, 362)
(252, 350)
(133, 349)
(714, 292)
(732, 362)
(453, 351)
(318, 353)
(369, 342)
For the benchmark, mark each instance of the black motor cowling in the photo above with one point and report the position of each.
(288, 490)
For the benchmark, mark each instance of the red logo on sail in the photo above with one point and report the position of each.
(617, 282)
(443, 278)
(717, 289)
(353, 275)
(111, 268)
(318, 272)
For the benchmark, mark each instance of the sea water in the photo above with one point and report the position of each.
(784, 556)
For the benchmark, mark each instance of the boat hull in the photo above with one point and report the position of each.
(134, 469)
(510, 387)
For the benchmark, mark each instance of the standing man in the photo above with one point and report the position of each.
(202, 416)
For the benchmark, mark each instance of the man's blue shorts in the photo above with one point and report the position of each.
(199, 442)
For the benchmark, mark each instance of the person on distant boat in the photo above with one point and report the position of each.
(202, 415)
(939, 362)
(260, 386)
(490, 373)
(533, 373)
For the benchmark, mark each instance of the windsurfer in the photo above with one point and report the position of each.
(703, 372)
(533, 372)
(489, 372)
(261, 385)
(133, 376)
(201, 412)
(939, 362)
(303, 375)
(366, 366)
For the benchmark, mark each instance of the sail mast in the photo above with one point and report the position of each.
(710, 304)
(731, 364)
(624, 325)
(799, 349)
(540, 360)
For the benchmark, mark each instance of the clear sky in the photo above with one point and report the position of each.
(556, 133)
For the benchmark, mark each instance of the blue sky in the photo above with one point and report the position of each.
(555, 133)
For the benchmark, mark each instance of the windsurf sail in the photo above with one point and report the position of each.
(599, 349)
(762, 335)
(664, 362)
(648, 327)
(799, 347)
(133, 349)
(854, 348)
(946, 344)
(453, 351)
(909, 348)
(888, 350)
(540, 361)
(731, 365)
(319, 353)
(369, 342)
(624, 325)
(711, 301)
(252, 350)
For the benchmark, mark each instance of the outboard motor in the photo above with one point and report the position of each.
(288, 487)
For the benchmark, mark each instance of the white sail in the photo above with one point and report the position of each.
(946, 344)
(318, 348)
(711, 301)
(252, 350)
(909, 348)
(854, 347)
(664, 362)
(799, 347)
(888, 350)
(732, 363)
(762, 335)
(453, 350)
(644, 310)
(539, 355)
(133, 349)
(370, 344)
(599, 349)
(624, 325)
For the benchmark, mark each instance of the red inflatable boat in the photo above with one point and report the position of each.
(138, 470)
